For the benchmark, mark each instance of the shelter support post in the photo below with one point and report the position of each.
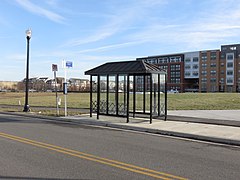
(91, 101)
(98, 96)
(165, 97)
(134, 95)
(159, 87)
(128, 84)
(151, 88)
(107, 100)
(117, 89)
(144, 93)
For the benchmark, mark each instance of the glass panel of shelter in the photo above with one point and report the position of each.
(139, 100)
(94, 93)
(112, 95)
(146, 95)
(122, 95)
(131, 93)
(162, 94)
(103, 95)
(155, 99)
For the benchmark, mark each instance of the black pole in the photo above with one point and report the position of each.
(91, 101)
(144, 93)
(26, 106)
(117, 88)
(128, 98)
(134, 95)
(159, 88)
(107, 103)
(98, 96)
(165, 97)
(151, 88)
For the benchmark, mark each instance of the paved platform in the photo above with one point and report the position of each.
(191, 128)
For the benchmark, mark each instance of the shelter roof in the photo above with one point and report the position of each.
(125, 67)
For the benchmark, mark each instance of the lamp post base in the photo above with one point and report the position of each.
(26, 108)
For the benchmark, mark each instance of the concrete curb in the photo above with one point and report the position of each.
(178, 134)
(204, 120)
(137, 129)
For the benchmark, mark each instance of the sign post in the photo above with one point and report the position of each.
(66, 64)
(55, 69)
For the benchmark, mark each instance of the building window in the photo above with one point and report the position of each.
(222, 56)
(173, 74)
(222, 64)
(187, 73)
(229, 80)
(175, 59)
(164, 67)
(204, 66)
(204, 56)
(222, 81)
(187, 67)
(178, 80)
(204, 80)
(204, 73)
(222, 72)
(213, 80)
(152, 61)
(195, 59)
(195, 66)
(178, 59)
(187, 60)
(233, 48)
(230, 73)
(195, 73)
(213, 73)
(178, 74)
(163, 60)
(213, 65)
(173, 67)
(229, 64)
(230, 57)
(178, 67)
(213, 56)
(173, 80)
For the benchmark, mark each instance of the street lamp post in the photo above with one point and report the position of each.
(26, 106)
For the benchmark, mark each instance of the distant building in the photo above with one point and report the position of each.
(8, 86)
(45, 84)
(201, 71)
(174, 65)
(76, 84)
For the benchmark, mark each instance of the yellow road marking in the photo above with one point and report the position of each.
(118, 164)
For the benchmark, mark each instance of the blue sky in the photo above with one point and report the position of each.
(92, 32)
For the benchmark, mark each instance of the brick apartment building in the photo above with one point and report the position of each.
(202, 71)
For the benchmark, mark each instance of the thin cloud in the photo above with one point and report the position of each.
(122, 20)
(203, 30)
(106, 48)
(29, 6)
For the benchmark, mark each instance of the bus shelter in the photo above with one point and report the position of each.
(128, 88)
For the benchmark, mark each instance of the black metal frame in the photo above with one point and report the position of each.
(126, 99)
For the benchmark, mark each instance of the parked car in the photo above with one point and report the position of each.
(173, 91)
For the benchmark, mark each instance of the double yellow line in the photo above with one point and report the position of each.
(82, 155)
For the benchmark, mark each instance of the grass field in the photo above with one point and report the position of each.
(179, 101)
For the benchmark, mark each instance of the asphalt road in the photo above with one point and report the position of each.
(32, 148)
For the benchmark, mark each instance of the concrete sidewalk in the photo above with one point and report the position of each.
(194, 128)
(216, 117)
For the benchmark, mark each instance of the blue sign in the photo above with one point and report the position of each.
(69, 64)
